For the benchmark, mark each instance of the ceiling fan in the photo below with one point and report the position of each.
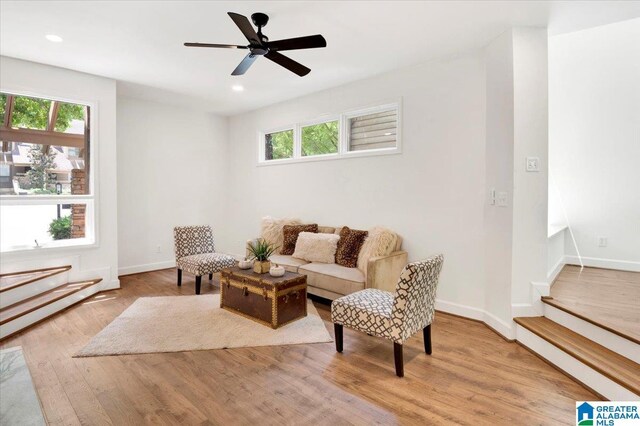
(259, 45)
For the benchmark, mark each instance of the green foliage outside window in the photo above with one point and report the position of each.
(320, 139)
(41, 163)
(60, 229)
(33, 113)
(279, 145)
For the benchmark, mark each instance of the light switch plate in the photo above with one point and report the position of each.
(533, 164)
(501, 199)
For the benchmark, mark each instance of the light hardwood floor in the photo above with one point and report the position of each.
(605, 296)
(473, 377)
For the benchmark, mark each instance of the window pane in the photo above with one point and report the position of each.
(59, 170)
(320, 139)
(3, 106)
(23, 225)
(30, 113)
(278, 145)
(70, 119)
(373, 131)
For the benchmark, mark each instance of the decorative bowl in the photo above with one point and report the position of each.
(245, 264)
(276, 271)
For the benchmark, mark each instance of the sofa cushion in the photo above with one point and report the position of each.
(351, 241)
(333, 277)
(316, 247)
(290, 236)
(272, 230)
(379, 242)
(289, 263)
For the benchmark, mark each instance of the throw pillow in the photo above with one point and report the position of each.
(290, 236)
(272, 230)
(380, 242)
(349, 245)
(314, 247)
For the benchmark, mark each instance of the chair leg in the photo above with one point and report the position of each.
(426, 334)
(338, 332)
(210, 277)
(179, 277)
(198, 282)
(397, 354)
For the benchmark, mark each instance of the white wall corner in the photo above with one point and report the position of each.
(506, 329)
(555, 271)
(534, 309)
(539, 289)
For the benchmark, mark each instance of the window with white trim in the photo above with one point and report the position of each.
(46, 196)
(368, 131)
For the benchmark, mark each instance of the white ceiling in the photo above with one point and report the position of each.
(139, 43)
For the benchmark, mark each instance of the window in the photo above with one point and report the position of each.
(370, 131)
(320, 139)
(278, 145)
(46, 198)
(373, 131)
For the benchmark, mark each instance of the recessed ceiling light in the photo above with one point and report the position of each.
(237, 88)
(54, 38)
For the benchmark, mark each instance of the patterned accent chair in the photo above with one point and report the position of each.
(195, 253)
(394, 316)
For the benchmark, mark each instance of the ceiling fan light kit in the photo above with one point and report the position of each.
(259, 45)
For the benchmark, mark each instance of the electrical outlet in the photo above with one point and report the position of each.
(602, 241)
(533, 164)
(502, 199)
(492, 196)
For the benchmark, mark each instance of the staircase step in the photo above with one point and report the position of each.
(583, 313)
(31, 304)
(14, 280)
(617, 368)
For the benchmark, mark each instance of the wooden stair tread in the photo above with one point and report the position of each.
(17, 279)
(608, 363)
(583, 314)
(29, 305)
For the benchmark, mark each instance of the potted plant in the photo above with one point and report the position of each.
(260, 251)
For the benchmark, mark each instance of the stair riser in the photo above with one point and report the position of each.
(573, 367)
(46, 311)
(26, 291)
(609, 340)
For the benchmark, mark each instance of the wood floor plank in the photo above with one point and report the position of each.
(473, 376)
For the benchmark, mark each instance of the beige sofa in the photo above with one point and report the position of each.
(330, 280)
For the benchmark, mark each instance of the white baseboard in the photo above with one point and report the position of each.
(526, 310)
(621, 265)
(136, 269)
(573, 367)
(555, 271)
(506, 329)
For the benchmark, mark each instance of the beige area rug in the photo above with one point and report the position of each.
(190, 323)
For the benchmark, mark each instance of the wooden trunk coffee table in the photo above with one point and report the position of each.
(272, 301)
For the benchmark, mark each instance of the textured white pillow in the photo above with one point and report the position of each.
(380, 242)
(272, 230)
(314, 247)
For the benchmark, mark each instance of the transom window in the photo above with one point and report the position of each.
(370, 131)
(46, 196)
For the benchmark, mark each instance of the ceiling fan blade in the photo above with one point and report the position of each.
(308, 42)
(226, 46)
(245, 26)
(245, 64)
(288, 63)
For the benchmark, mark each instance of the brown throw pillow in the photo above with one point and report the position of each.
(290, 233)
(351, 241)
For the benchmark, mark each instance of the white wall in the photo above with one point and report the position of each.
(594, 131)
(171, 171)
(47, 81)
(498, 220)
(432, 194)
